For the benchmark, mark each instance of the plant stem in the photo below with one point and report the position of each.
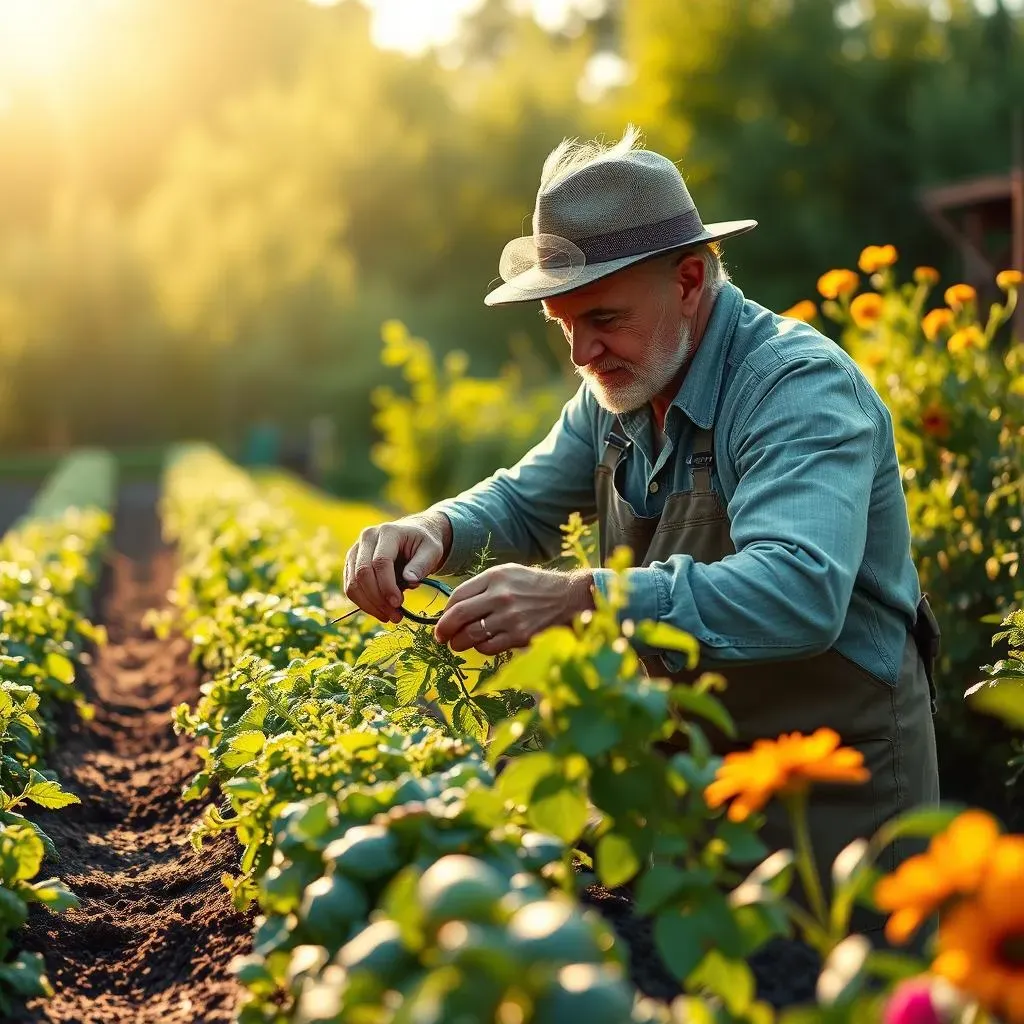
(796, 807)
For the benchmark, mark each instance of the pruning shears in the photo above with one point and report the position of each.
(428, 581)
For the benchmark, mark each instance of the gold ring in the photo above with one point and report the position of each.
(487, 632)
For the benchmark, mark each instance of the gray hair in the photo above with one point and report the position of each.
(572, 155)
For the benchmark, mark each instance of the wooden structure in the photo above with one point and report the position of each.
(984, 218)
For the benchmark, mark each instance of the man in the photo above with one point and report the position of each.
(742, 456)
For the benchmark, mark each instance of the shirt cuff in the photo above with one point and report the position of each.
(646, 597)
(469, 537)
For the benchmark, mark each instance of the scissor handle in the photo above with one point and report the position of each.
(426, 620)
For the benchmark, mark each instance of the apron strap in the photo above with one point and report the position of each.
(615, 446)
(701, 461)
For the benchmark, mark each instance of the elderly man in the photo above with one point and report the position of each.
(742, 456)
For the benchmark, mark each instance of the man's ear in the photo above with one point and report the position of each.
(689, 275)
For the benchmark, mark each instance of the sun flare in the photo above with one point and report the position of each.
(38, 37)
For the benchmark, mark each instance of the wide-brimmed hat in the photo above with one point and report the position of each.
(616, 211)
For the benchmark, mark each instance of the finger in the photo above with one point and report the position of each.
(383, 561)
(456, 618)
(472, 587)
(364, 589)
(498, 644)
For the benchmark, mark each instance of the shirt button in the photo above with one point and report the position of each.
(653, 488)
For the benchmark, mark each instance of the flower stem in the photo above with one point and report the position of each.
(796, 806)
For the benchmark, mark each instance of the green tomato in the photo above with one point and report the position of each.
(479, 948)
(281, 888)
(585, 993)
(538, 849)
(457, 886)
(377, 948)
(364, 852)
(554, 932)
(329, 907)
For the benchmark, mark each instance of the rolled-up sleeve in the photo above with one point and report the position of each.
(804, 453)
(520, 510)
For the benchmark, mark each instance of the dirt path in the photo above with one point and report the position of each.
(156, 931)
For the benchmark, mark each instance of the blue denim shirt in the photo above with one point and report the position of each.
(805, 460)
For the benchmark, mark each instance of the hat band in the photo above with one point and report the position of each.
(635, 241)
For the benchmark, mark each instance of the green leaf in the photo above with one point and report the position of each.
(731, 980)
(678, 942)
(705, 705)
(470, 720)
(26, 975)
(658, 884)
(385, 646)
(920, 822)
(1004, 699)
(60, 667)
(617, 861)
(21, 854)
(13, 910)
(410, 683)
(55, 894)
(558, 808)
(518, 780)
(842, 975)
(509, 732)
(667, 637)
(593, 733)
(47, 794)
(745, 845)
(529, 669)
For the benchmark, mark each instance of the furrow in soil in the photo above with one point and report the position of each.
(156, 930)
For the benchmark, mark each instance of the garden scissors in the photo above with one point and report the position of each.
(426, 620)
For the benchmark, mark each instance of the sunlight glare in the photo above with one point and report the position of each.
(38, 36)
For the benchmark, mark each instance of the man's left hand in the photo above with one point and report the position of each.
(515, 603)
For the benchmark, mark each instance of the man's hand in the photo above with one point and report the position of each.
(515, 602)
(420, 542)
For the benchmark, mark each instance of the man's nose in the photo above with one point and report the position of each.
(584, 346)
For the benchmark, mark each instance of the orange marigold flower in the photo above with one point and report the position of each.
(750, 778)
(877, 257)
(935, 421)
(981, 939)
(1007, 279)
(967, 337)
(954, 863)
(935, 321)
(803, 310)
(866, 309)
(835, 283)
(926, 275)
(958, 295)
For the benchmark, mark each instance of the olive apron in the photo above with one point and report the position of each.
(891, 725)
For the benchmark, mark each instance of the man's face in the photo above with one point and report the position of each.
(627, 333)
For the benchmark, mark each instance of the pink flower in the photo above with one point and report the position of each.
(912, 1003)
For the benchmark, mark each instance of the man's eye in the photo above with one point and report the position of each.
(604, 321)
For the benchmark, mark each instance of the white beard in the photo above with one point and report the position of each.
(634, 388)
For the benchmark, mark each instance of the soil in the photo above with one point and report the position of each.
(156, 930)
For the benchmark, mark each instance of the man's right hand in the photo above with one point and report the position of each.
(419, 543)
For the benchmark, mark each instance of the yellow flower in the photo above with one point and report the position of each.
(954, 863)
(877, 257)
(866, 309)
(926, 275)
(935, 321)
(967, 337)
(803, 310)
(958, 295)
(835, 283)
(782, 766)
(981, 939)
(1007, 279)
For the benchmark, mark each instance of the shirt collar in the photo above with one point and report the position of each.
(698, 394)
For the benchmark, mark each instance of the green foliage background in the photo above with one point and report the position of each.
(204, 227)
